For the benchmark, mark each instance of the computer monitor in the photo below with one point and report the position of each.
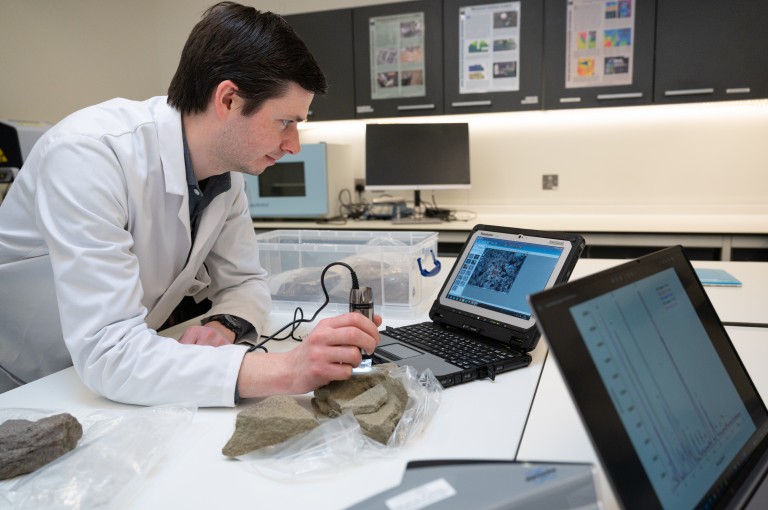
(417, 157)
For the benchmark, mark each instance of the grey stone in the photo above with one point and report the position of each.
(376, 399)
(271, 421)
(367, 402)
(357, 394)
(28, 445)
(382, 423)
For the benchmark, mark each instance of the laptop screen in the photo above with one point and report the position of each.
(671, 390)
(497, 271)
(661, 389)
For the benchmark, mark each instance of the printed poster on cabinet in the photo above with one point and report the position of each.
(397, 56)
(489, 52)
(599, 43)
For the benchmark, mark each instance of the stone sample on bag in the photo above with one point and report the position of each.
(28, 445)
(271, 421)
(367, 402)
(363, 396)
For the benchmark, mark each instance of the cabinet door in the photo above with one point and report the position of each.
(598, 53)
(398, 59)
(711, 50)
(328, 35)
(493, 55)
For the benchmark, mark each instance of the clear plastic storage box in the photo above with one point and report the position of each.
(385, 261)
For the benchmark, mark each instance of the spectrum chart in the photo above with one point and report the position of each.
(668, 386)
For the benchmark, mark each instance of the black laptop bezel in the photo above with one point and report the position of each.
(613, 446)
(518, 338)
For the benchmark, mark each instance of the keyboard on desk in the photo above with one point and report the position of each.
(451, 346)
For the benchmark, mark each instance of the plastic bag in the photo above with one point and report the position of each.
(117, 450)
(340, 441)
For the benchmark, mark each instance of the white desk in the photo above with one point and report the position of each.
(480, 420)
(748, 303)
(469, 423)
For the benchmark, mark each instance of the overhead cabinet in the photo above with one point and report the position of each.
(493, 55)
(708, 50)
(328, 35)
(598, 53)
(398, 59)
(432, 57)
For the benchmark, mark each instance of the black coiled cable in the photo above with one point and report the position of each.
(298, 314)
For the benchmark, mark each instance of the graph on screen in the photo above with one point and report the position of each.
(667, 384)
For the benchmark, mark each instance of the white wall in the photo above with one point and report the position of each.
(61, 55)
(57, 56)
(699, 158)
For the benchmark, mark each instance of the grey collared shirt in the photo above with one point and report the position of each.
(202, 193)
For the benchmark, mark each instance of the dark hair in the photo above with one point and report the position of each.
(258, 51)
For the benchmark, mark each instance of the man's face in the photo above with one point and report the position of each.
(251, 144)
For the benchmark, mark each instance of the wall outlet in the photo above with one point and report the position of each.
(549, 181)
(359, 185)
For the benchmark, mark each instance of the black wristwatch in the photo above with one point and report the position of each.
(230, 322)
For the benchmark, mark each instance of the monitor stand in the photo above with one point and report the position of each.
(418, 217)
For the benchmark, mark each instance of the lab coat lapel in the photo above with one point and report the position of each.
(194, 277)
(177, 191)
(172, 157)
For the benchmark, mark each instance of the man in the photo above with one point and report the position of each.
(125, 208)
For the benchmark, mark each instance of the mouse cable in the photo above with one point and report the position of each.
(298, 314)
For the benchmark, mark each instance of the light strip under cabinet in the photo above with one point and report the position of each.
(688, 92)
(466, 104)
(624, 95)
(738, 90)
(409, 107)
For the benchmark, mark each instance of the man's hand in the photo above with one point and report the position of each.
(328, 353)
(213, 333)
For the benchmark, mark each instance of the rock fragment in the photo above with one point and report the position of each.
(28, 445)
(359, 395)
(271, 421)
(367, 402)
(376, 399)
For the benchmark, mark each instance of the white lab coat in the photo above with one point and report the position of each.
(94, 240)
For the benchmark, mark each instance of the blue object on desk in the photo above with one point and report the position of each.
(434, 270)
(717, 277)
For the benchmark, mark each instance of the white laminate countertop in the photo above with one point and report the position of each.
(623, 219)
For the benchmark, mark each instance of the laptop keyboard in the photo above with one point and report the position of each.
(452, 347)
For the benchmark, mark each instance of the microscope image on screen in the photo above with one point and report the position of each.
(497, 270)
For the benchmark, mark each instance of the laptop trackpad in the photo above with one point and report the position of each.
(400, 354)
(398, 351)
